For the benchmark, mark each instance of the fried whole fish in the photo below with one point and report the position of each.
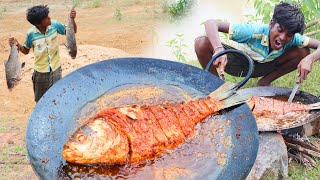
(13, 68)
(137, 133)
(71, 38)
(273, 114)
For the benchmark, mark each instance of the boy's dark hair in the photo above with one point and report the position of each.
(290, 17)
(36, 14)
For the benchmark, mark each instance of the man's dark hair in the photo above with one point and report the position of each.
(290, 17)
(36, 14)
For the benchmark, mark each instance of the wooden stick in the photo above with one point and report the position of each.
(312, 33)
(312, 23)
(299, 159)
(301, 143)
(312, 162)
(303, 150)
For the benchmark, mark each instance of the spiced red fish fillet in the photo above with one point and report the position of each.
(137, 132)
(273, 114)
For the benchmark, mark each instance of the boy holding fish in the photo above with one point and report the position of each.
(42, 38)
(277, 48)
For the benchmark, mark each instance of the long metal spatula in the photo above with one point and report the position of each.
(294, 91)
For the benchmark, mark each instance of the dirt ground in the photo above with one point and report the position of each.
(100, 36)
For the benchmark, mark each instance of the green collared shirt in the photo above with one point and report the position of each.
(45, 46)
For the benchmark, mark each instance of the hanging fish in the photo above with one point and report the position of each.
(71, 37)
(137, 133)
(13, 68)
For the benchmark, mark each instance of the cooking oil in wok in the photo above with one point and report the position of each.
(147, 94)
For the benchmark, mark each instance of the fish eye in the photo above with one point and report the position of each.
(81, 137)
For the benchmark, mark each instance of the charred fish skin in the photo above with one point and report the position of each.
(13, 68)
(272, 114)
(262, 106)
(150, 131)
(71, 38)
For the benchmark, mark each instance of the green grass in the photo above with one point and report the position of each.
(177, 10)
(297, 172)
(7, 151)
(117, 14)
(6, 123)
(12, 155)
(128, 19)
(95, 3)
(101, 3)
(126, 3)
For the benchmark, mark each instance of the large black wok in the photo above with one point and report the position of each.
(228, 154)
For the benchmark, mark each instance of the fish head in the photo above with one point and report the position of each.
(11, 83)
(72, 53)
(91, 142)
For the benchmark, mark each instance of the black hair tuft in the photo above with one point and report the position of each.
(36, 14)
(290, 17)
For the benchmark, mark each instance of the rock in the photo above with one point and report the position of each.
(312, 128)
(272, 158)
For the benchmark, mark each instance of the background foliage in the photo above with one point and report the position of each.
(310, 9)
(178, 9)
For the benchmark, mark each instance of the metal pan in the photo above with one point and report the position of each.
(284, 93)
(229, 153)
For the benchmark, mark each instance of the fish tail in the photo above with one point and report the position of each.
(314, 106)
(235, 99)
(227, 96)
(224, 91)
(251, 102)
